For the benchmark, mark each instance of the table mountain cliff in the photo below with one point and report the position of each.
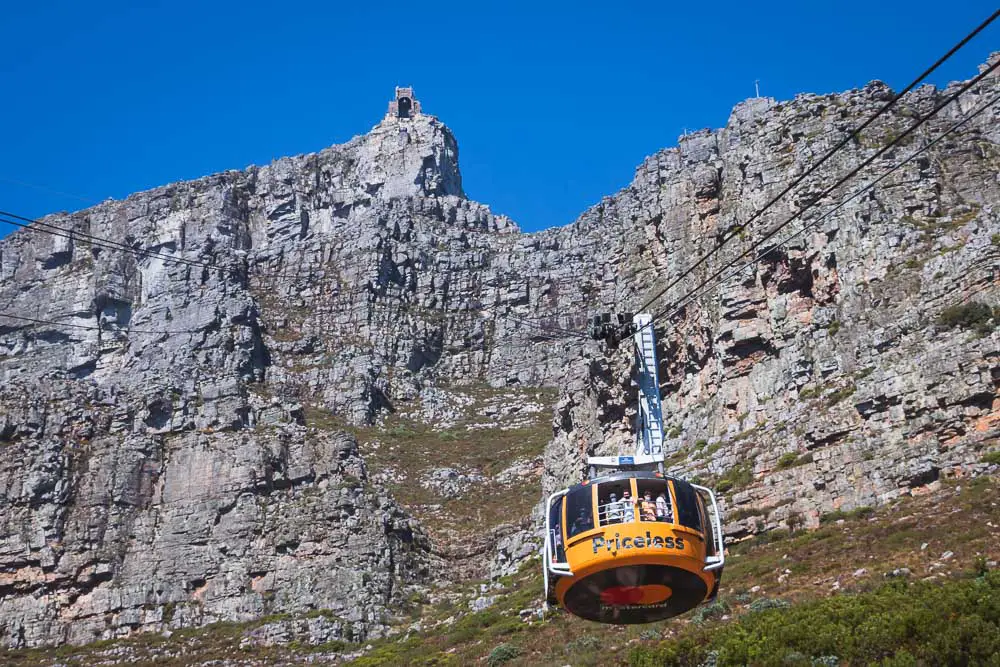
(181, 413)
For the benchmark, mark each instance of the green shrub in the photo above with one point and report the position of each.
(763, 604)
(585, 644)
(471, 625)
(791, 460)
(834, 327)
(787, 460)
(401, 432)
(501, 654)
(974, 316)
(712, 611)
(735, 478)
(334, 646)
(876, 626)
(810, 392)
(991, 457)
(770, 536)
(840, 394)
(669, 654)
(899, 623)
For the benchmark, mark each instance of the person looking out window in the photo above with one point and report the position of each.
(647, 508)
(663, 508)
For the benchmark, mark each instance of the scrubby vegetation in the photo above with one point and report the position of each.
(899, 623)
(735, 478)
(850, 592)
(974, 316)
(502, 654)
(792, 459)
(404, 451)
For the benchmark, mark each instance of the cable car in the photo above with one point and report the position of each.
(633, 545)
(619, 561)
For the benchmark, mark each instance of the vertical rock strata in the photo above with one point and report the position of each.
(173, 456)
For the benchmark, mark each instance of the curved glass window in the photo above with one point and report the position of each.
(579, 511)
(653, 500)
(709, 533)
(615, 503)
(555, 531)
(687, 505)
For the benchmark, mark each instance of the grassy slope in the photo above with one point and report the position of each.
(831, 577)
(946, 611)
(403, 451)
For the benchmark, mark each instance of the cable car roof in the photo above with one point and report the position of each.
(626, 475)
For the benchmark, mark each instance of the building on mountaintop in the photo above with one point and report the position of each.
(405, 105)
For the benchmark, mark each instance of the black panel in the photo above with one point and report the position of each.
(579, 510)
(584, 598)
(687, 505)
(555, 524)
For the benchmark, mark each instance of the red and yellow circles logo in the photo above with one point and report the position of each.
(619, 596)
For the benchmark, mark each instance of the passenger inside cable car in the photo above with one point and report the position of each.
(614, 503)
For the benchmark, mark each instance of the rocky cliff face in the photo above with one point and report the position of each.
(823, 376)
(173, 453)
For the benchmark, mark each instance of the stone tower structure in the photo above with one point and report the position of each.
(405, 105)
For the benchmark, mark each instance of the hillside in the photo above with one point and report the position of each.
(315, 402)
(866, 586)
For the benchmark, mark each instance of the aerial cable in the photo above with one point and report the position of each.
(696, 292)
(97, 241)
(43, 188)
(815, 200)
(101, 242)
(854, 134)
(549, 328)
(545, 327)
(700, 290)
(37, 225)
(35, 320)
(128, 332)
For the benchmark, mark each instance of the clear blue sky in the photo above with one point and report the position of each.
(553, 104)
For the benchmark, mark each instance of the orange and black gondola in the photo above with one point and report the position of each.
(633, 547)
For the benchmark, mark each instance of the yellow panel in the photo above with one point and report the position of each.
(649, 542)
(638, 543)
(673, 500)
(593, 505)
(562, 514)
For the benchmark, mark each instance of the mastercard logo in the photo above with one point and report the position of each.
(629, 595)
